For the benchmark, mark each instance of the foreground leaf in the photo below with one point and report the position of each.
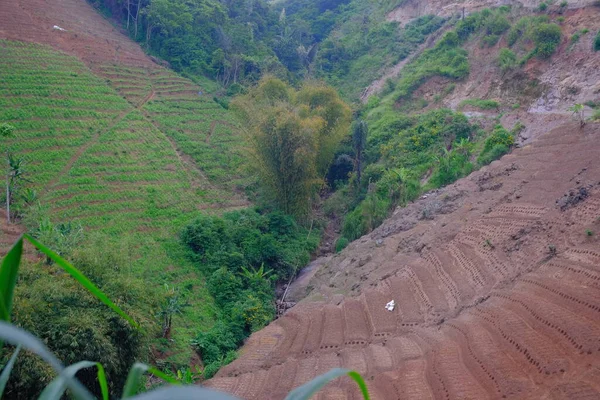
(102, 381)
(308, 390)
(7, 369)
(184, 392)
(58, 386)
(79, 277)
(17, 336)
(8, 279)
(135, 374)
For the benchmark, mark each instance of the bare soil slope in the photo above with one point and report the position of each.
(86, 34)
(496, 281)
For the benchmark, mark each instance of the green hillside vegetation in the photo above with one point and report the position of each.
(236, 43)
(410, 152)
(111, 193)
(358, 51)
(243, 254)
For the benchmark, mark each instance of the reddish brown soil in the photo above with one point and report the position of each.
(88, 35)
(8, 234)
(497, 286)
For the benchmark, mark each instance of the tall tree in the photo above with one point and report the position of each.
(292, 137)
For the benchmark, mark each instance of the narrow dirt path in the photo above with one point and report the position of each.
(93, 140)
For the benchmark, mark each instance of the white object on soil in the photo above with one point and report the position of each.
(58, 28)
(390, 306)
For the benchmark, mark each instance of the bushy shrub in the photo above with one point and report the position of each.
(497, 144)
(353, 225)
(75, 325)
(546, 38)
(367, 216)
(341, 244)
(496, 24)
(493, 154)
(490, 40)
(451, 166)
(216, 342)
(242, 253)
(507, 59)
(597, 42)
(248, 239)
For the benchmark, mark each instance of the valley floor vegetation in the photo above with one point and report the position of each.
(86, 380)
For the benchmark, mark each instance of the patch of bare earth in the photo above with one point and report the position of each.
(496, 281)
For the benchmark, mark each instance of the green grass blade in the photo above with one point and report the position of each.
(135, 374)
(184, 392)
(163, 376)
(56, 388)
(309, 389)
(17, 336)
(361, 383)
(133, 379)
(8, 278)
(7, 369)
(102, 381)
(85, 282)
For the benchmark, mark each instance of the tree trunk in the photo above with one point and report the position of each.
(128, 13)
(149, 33)
(137, 17)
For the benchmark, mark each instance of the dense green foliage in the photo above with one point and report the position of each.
(249, 239)
(507, 59)
(76, 326)
(496, 145)
(243, 253)
(400, 151)
(537, 31)
(239, 41)
(68, 317)
(130, 384)
(230, 41)
(597, 42)
(293, 136)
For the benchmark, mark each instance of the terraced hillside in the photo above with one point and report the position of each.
(118, 143)
(99, 159)
(495, 280)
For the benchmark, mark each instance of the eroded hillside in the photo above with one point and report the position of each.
(494, 280)
(539, 94)
(493, 277)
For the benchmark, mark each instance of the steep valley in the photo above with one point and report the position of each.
(494, 278)
(494, 281)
